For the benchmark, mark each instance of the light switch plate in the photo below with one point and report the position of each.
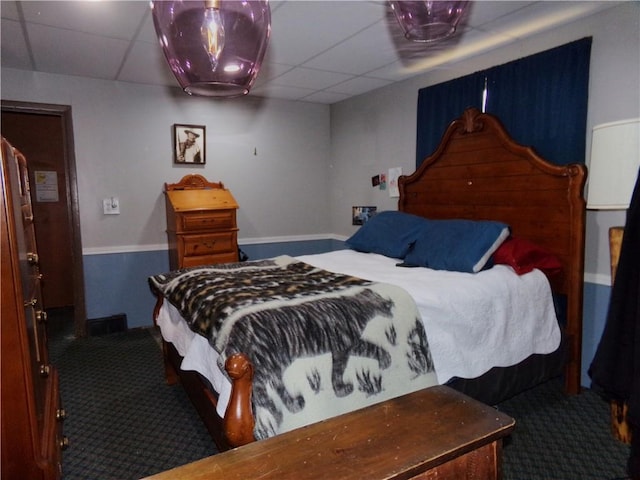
(111, 206)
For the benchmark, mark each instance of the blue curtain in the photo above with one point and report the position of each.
(440, 104)
(541, 100)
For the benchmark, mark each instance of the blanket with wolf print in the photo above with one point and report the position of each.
(321, 343)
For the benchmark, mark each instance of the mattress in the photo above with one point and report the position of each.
(474, 322)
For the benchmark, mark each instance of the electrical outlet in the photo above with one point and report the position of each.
(111, 206)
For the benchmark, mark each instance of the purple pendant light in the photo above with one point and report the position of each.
(214, 47)
(428, 21)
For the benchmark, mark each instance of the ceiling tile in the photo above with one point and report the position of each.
(280, 91)
(9, 10)
(303, 29)
(480, 13)
(394, 72)
(310, 78)
(93, 56)
(325, 97)
(148, 31)
(358, 85)
(146, 63)
(363, 52)
(14, 48)
(269, 71)
(541, 16)
(89, 17)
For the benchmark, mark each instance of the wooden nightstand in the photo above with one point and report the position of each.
(201, 223)
(433, 433)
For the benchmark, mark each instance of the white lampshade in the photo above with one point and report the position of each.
(615, 160)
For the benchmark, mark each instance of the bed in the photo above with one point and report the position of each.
(478, 175)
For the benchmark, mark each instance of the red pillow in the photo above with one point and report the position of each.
(523, 256)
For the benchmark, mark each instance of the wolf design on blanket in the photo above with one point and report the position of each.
(321, 343)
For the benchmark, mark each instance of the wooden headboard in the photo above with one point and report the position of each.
(479, 172)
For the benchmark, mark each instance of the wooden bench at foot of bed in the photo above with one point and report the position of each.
(433, 433)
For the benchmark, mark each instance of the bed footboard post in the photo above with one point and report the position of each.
(238, 419)
(573, 370)
(577, 180)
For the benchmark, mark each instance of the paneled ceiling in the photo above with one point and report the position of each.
(319, 51)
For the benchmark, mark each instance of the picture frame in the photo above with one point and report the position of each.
(189, 143)
(361, 214)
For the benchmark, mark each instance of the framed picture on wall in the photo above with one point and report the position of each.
(189, 144)
(361, 214)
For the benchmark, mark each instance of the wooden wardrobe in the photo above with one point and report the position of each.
(32, 438)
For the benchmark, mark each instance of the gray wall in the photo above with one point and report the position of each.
(123, 139)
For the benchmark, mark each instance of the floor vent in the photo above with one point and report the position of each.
(106, 325)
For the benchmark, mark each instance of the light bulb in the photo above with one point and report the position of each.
(212, 31)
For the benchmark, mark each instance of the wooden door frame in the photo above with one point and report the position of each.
(64, 113)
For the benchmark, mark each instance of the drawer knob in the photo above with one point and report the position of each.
(61, 414)
(64, 442)
(32, 258)
(45, 370)
(41, 316)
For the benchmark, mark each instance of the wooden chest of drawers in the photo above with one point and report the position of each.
(32, 438)
(201, 223)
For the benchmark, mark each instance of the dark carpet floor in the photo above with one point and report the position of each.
(124, 422)
(561, 437)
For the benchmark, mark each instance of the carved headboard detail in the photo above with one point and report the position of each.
(192, 182)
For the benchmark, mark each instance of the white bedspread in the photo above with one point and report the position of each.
(474, 322)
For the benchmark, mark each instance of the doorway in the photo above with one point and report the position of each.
(44, 135)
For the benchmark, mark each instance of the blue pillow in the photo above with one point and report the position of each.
(389, 233)
(457, 245)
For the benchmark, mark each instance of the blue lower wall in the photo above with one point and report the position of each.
(117, 283)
